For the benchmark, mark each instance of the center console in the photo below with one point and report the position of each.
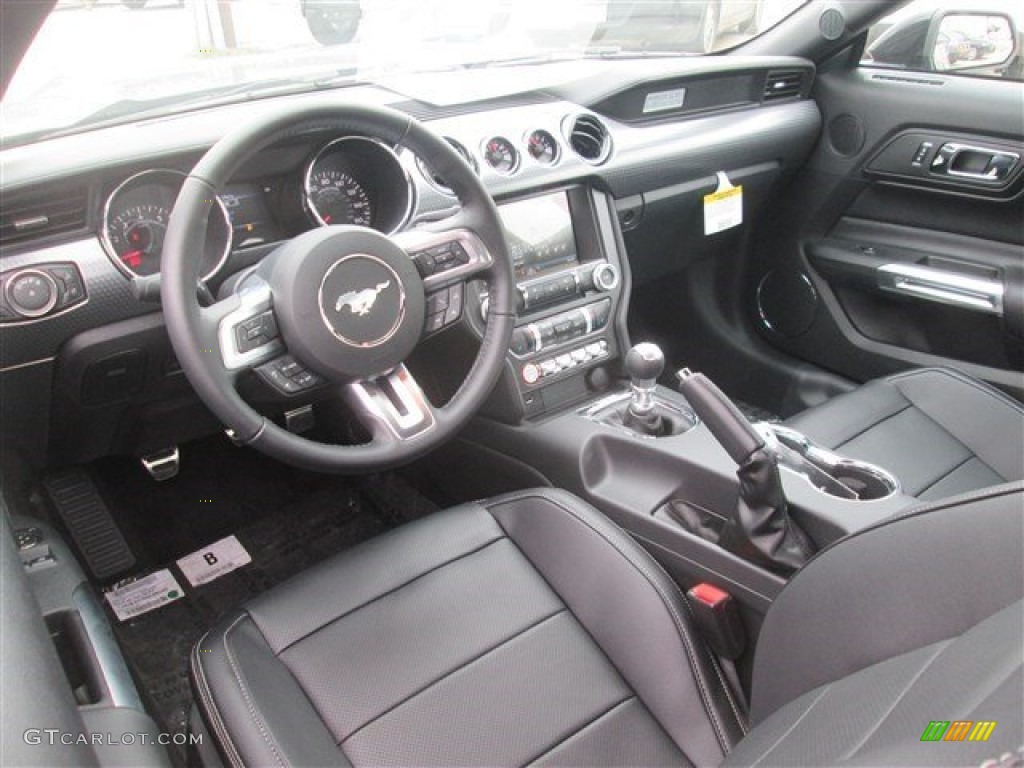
(565, 413)
(569, 287)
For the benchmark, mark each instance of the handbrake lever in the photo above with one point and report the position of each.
(721, 416)
(760, 528)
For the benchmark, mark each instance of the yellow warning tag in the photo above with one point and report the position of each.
(723, 208)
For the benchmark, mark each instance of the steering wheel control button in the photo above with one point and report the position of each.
(441, 258)
(32, 293)
(454, 311)
(288, 376)
(444, 307)
(255, 332)
(362, 300)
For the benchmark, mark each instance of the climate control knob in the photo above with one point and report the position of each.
(31, 293)
(605, 277)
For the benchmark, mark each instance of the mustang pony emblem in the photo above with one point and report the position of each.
(360, 302)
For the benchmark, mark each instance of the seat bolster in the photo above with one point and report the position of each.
(270, 720)
(872, 595)
(634, 612)
(989, 423)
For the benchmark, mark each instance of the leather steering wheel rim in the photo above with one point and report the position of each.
(195, 331)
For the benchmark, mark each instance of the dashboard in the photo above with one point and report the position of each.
(572, 167)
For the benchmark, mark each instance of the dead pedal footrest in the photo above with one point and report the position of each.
(77, 500)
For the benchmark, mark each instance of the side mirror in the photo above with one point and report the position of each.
(960, 41)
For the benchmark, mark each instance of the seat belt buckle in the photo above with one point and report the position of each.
(717, 619)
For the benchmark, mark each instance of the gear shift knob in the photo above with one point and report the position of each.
(644, 364)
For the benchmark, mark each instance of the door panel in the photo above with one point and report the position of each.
(902, 240)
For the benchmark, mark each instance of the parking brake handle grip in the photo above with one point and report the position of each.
(720, 414)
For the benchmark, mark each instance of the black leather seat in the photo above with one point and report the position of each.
(528, 629)
(939, 431)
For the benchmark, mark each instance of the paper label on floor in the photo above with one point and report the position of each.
(214, 561)
(723, 209)
(144, 595)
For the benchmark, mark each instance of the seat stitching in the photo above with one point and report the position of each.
(910, 683)
(451, 672)
(206, 696)
(871, 426)
(949, 472)
(677, 620)
(970, 452)
(250, 704)
(389, 592)
(581, 729)
(791, 728)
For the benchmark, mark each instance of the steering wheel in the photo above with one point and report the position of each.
(343, 305)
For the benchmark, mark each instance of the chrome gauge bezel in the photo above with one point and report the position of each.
(132, 181)
(307, 177)
(517, 156)
(555, 142)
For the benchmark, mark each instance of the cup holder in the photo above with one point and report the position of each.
(830, 473)
(869, 482)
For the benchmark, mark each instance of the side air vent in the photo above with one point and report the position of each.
(785, 84)
(589, 138)
(36, 216)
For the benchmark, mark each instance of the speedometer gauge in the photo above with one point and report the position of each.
(135, 222)
(336, 198)
(360, 182)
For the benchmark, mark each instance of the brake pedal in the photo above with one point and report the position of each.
(78, 503)
(162, 465)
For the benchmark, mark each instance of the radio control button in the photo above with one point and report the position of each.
(531, 373)
(580, 355)
(549, 368)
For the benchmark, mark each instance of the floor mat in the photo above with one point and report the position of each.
(294, 520)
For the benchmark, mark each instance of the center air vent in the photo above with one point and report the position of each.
(589, 138)
(785, 84)
(36, 216)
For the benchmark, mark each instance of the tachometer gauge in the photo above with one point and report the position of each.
(501, 155)
(337, 198)
(135, 223)
(137, 235)
(542, 147)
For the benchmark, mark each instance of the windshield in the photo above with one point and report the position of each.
(103, 61)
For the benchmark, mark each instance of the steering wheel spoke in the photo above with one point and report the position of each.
(393, 406)
(245, 328)
(446, 256)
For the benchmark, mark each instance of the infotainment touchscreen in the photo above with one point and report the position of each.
(540, 234)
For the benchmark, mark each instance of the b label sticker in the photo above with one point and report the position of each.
(214, 561)
(723, 208)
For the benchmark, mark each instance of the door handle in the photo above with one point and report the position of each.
(938, 285)
(974, 163)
